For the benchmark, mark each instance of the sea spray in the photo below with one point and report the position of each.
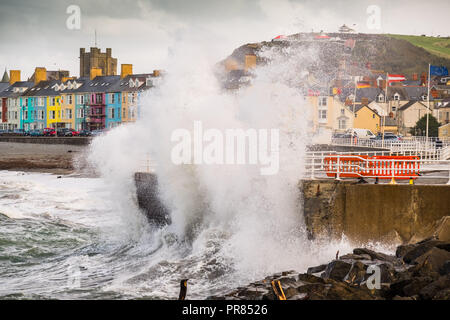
(230, 224)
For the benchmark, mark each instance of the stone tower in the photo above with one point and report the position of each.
(97, 59)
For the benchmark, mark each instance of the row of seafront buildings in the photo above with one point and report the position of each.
(93, 101)
(353, 94)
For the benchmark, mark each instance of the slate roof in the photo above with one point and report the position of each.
(43, 89)
(370, 93)
(9, 91)
(3, 86)
(409, 104)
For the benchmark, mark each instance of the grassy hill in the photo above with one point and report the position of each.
(437, 46)
(390, 53)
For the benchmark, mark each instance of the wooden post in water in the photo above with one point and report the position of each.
(183, 289)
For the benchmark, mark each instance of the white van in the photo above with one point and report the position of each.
(361, 133)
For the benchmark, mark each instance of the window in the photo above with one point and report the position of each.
(380, 98)
(342, 111)
(111, 113)
(322, 101)
(80, 113)
(322, 115)
(52, 101)
(51, 115)
(373, 116)
(396, 97)
(69, 113)
(70, 99)
(124, 113)
(342, 124)
(394, 108)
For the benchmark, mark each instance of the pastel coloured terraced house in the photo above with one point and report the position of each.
(54, 119)
(35, 116)
(15, 104)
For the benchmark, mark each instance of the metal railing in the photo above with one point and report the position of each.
(316, 167)
(425, 148)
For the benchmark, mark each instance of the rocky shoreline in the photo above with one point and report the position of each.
(419, 271)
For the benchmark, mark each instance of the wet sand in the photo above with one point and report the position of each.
(53, 158)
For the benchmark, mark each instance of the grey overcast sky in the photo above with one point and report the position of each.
(143, 32)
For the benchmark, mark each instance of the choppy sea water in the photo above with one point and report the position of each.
(69, 238)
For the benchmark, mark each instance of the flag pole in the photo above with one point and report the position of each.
(385, 102)
(428, 97)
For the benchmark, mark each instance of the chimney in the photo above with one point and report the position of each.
(156, 73)
(374, 83)
(231, 64)
(364, 101)
(95, 72)
(423, 78)
(250, 61)
(65, 79)
(382, 84)
(415, 76)
(14, 76)
(125, 70)
(40, 74)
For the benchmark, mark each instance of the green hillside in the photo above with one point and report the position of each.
(437, 46)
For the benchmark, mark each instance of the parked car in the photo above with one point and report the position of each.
(85, 133)
(35, 133)
(67, 132)
(75, 132)
(341, 136)
(96, 132)
(49, 132)
(388, 136)
(361, 133)
(18, 132)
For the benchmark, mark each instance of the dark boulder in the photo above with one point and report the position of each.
(404, 249)
(432, 261)
(337, 270)
(445, 270)
(442, 295)
(357, 273)
(355, 257)
(414, 287)
(374, 255)
(316, 269)
(420, 249)
(432, 289)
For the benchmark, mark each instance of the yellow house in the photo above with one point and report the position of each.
(330, 114)
(68, 110)
(54, 111)
(444, 131)
(366, 118)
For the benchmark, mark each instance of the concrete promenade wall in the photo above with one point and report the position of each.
(369, 212)
(48, 140)
(361, 212)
